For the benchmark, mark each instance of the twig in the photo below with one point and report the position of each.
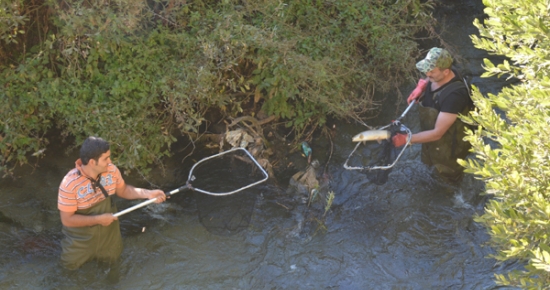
(282, 205)
(331, 150)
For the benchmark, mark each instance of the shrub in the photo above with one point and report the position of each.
(516, 171)
(141, 73)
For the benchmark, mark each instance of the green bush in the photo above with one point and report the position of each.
(11, 21)
(141, 74)
(516, 171)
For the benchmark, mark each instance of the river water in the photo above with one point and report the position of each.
(413, 232)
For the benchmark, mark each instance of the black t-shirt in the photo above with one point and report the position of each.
(455, 101)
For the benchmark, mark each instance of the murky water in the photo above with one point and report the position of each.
(414, 232)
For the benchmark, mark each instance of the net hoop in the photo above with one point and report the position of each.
(383, 167)
(191, 177)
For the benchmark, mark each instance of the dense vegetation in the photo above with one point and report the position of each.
(517, 170)
(142, 73)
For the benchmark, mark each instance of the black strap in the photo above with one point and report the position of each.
(453, 86)
(96, 183)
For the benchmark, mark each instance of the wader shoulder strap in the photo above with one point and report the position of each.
(448, 88)
(97, 183)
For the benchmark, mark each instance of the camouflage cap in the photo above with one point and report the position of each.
(437, 57)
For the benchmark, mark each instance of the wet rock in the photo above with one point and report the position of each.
(304, 181)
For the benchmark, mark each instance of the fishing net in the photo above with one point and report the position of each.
(214, 180)
(220, 211)
(376, 158)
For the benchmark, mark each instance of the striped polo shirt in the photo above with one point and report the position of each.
(76, 190)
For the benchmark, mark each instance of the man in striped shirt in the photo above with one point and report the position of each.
(86, 207)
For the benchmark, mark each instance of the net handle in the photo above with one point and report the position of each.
(149, 201)
(191, 178)
(406, 111)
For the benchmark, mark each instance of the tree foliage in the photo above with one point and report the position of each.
(141, 73)
(517, 170)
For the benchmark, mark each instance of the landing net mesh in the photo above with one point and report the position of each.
(376, 159)
(226, 214)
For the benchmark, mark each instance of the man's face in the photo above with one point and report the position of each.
(436, 75)
(104, 160)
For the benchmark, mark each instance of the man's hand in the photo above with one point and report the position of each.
(105, 219)
(158, 194)
(399, 140)
(130, 192)
(417, 92)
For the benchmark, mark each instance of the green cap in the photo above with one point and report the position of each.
(437, 57)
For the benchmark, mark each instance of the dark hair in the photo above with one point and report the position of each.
(92, 148)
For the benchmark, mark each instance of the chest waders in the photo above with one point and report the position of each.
(443, 153)
(94, 242)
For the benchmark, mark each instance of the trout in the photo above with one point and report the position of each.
(372, 135)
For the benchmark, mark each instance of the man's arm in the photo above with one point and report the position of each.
(129, 192)
(442, 124)
(73, 220)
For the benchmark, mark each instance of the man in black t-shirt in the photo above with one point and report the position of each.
(444, 96)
